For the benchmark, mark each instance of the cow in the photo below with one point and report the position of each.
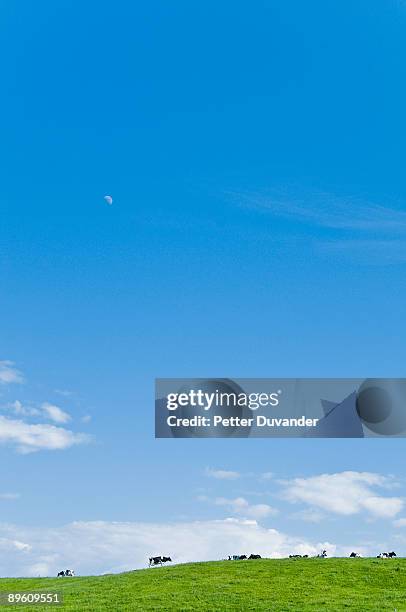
(355, 555)
(298, 556)
(158, 560)
(237, 557)
(66, 573)
(322, 555)
(386, 555)
(254, 557)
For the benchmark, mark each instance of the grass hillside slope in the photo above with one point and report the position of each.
(267, 584)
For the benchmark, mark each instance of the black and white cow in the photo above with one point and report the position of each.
(298, 556)
(158, 560)
(254, 557)
(65, 573)
(355, 555)
(386, 555)
(323, 554)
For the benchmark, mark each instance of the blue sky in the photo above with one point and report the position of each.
(255, 155)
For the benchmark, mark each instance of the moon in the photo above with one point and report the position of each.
(108, 199)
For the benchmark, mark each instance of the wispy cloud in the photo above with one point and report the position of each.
(64, 392)
(10, 546)
(242, 507)
(23, 410)
(55, 413)
(31, 427)
(222, 474)
(46, 411)
(326, 210)
(353, 227)
(28, 438)
(9, 373)
(344, 493)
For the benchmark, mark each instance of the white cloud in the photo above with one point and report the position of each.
(47, 411)
(400, 522)
(9, 546)
(99, 547)
(267, 475)
(222, 474)
(55, 413)
(9, 373)
(344, 493)
(22, 410)
(86, 418)
(241, 506)
(34, 437)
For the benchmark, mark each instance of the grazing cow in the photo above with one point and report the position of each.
(386, 555)
(237, 557)
(355, 555)
(254, 557)
(158, 560)
(298, 556)
(66, 573)
(322, 555)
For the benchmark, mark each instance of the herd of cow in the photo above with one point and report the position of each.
(353, 555)
(323, 554)
(241, 557)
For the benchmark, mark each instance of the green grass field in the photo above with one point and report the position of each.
(303, 584)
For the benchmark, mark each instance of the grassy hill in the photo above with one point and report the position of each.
(267, 584)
